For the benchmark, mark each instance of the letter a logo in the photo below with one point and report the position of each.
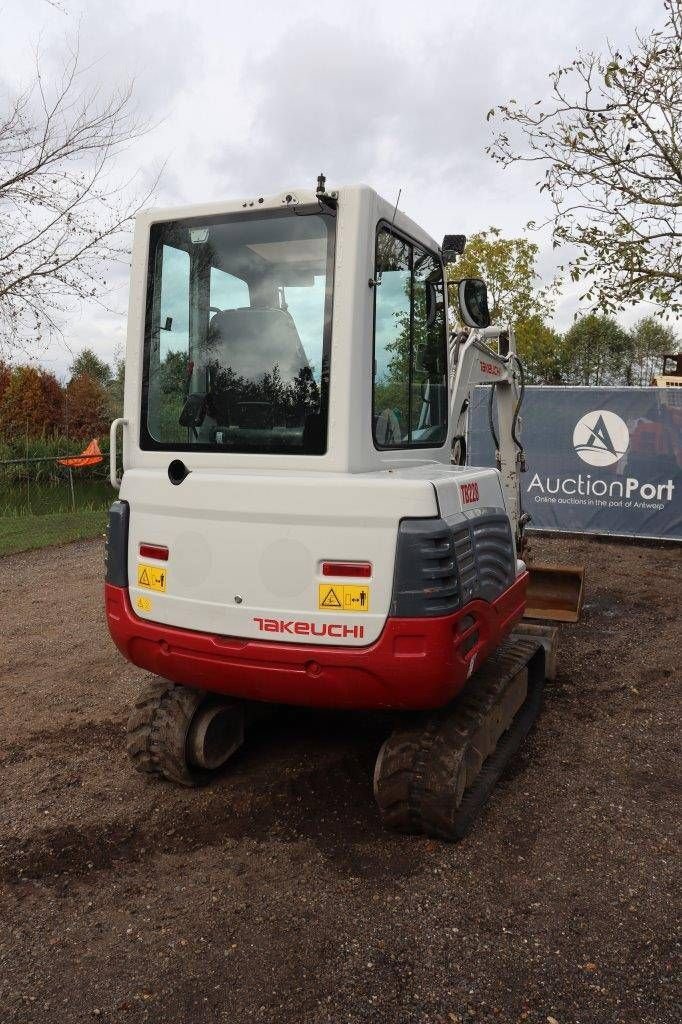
(601, 438)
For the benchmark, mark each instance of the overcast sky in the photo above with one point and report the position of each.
(257, 97)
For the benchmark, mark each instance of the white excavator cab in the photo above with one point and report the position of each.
(242, 313)
(286, 407)
(291, 527)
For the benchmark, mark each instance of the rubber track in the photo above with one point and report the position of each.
(422, 771)
(157, 729)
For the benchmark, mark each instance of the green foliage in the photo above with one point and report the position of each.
(649, 341)
(45, 446)
(508, 267)
(541, 350)
(34, 405)
(608, 138)
(411, 381)
(286, 402)
(173, 389)
(43, 470)
(596, 350)
(516, 296)
(174, 373)
(87, 364)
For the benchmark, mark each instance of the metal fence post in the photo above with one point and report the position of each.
(28, 476)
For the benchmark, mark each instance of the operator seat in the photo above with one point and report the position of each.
(253, 340)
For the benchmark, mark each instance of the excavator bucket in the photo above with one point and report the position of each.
(555, 592)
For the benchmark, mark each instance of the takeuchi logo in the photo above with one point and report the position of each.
(601, 438)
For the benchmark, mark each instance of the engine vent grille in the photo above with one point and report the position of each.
(495, 556)
(426, 580)
(441, 566)
(486, 559)
(466, 562)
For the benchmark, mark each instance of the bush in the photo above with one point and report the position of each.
(32, 403)
(88, 407)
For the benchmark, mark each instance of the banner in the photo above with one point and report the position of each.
(599, 460)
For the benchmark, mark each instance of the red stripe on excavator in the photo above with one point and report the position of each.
(415, 663)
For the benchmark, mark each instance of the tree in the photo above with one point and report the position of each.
(304, 395)
(595, 351)
(507, 265)
(649, 341)
(32, 403)
(415, 354)
(88, 408)
(61, 219)
(87, 364)
(5, 377)
(174, 373)
(609, 140)
(541, 350)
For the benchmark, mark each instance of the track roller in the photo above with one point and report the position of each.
(182, 734)
(435, 776)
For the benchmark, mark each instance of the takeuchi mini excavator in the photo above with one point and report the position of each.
(296, 523)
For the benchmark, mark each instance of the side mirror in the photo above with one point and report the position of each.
(472, 294)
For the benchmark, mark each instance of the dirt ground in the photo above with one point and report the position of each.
(274, 895)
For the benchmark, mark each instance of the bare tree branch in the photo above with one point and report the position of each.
(610, 138)
(62, 220)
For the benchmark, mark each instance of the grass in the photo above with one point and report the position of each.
(54, 497)
(43, 503)
(46, 447)
(25, 533)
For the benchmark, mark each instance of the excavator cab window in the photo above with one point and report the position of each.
(410, 357)
(238, 332)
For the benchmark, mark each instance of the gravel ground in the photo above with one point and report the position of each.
(274, 895)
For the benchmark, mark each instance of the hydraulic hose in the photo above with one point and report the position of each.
(491, 419)
(517, 409)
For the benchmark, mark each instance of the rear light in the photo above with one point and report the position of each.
(117, 545)
(157, 551)
(355, 570)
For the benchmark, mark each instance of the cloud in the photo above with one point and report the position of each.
(251, 99)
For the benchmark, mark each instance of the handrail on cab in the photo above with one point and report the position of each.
(113, 430)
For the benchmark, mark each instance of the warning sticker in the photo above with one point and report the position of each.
(355, 598)
(151, 576)
(143, 604)
(343, 597)
(330, 597)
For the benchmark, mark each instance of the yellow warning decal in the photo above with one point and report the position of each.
(330, 596)
(143, 604)
(342, 597)
(355, 598)
(151, 576)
